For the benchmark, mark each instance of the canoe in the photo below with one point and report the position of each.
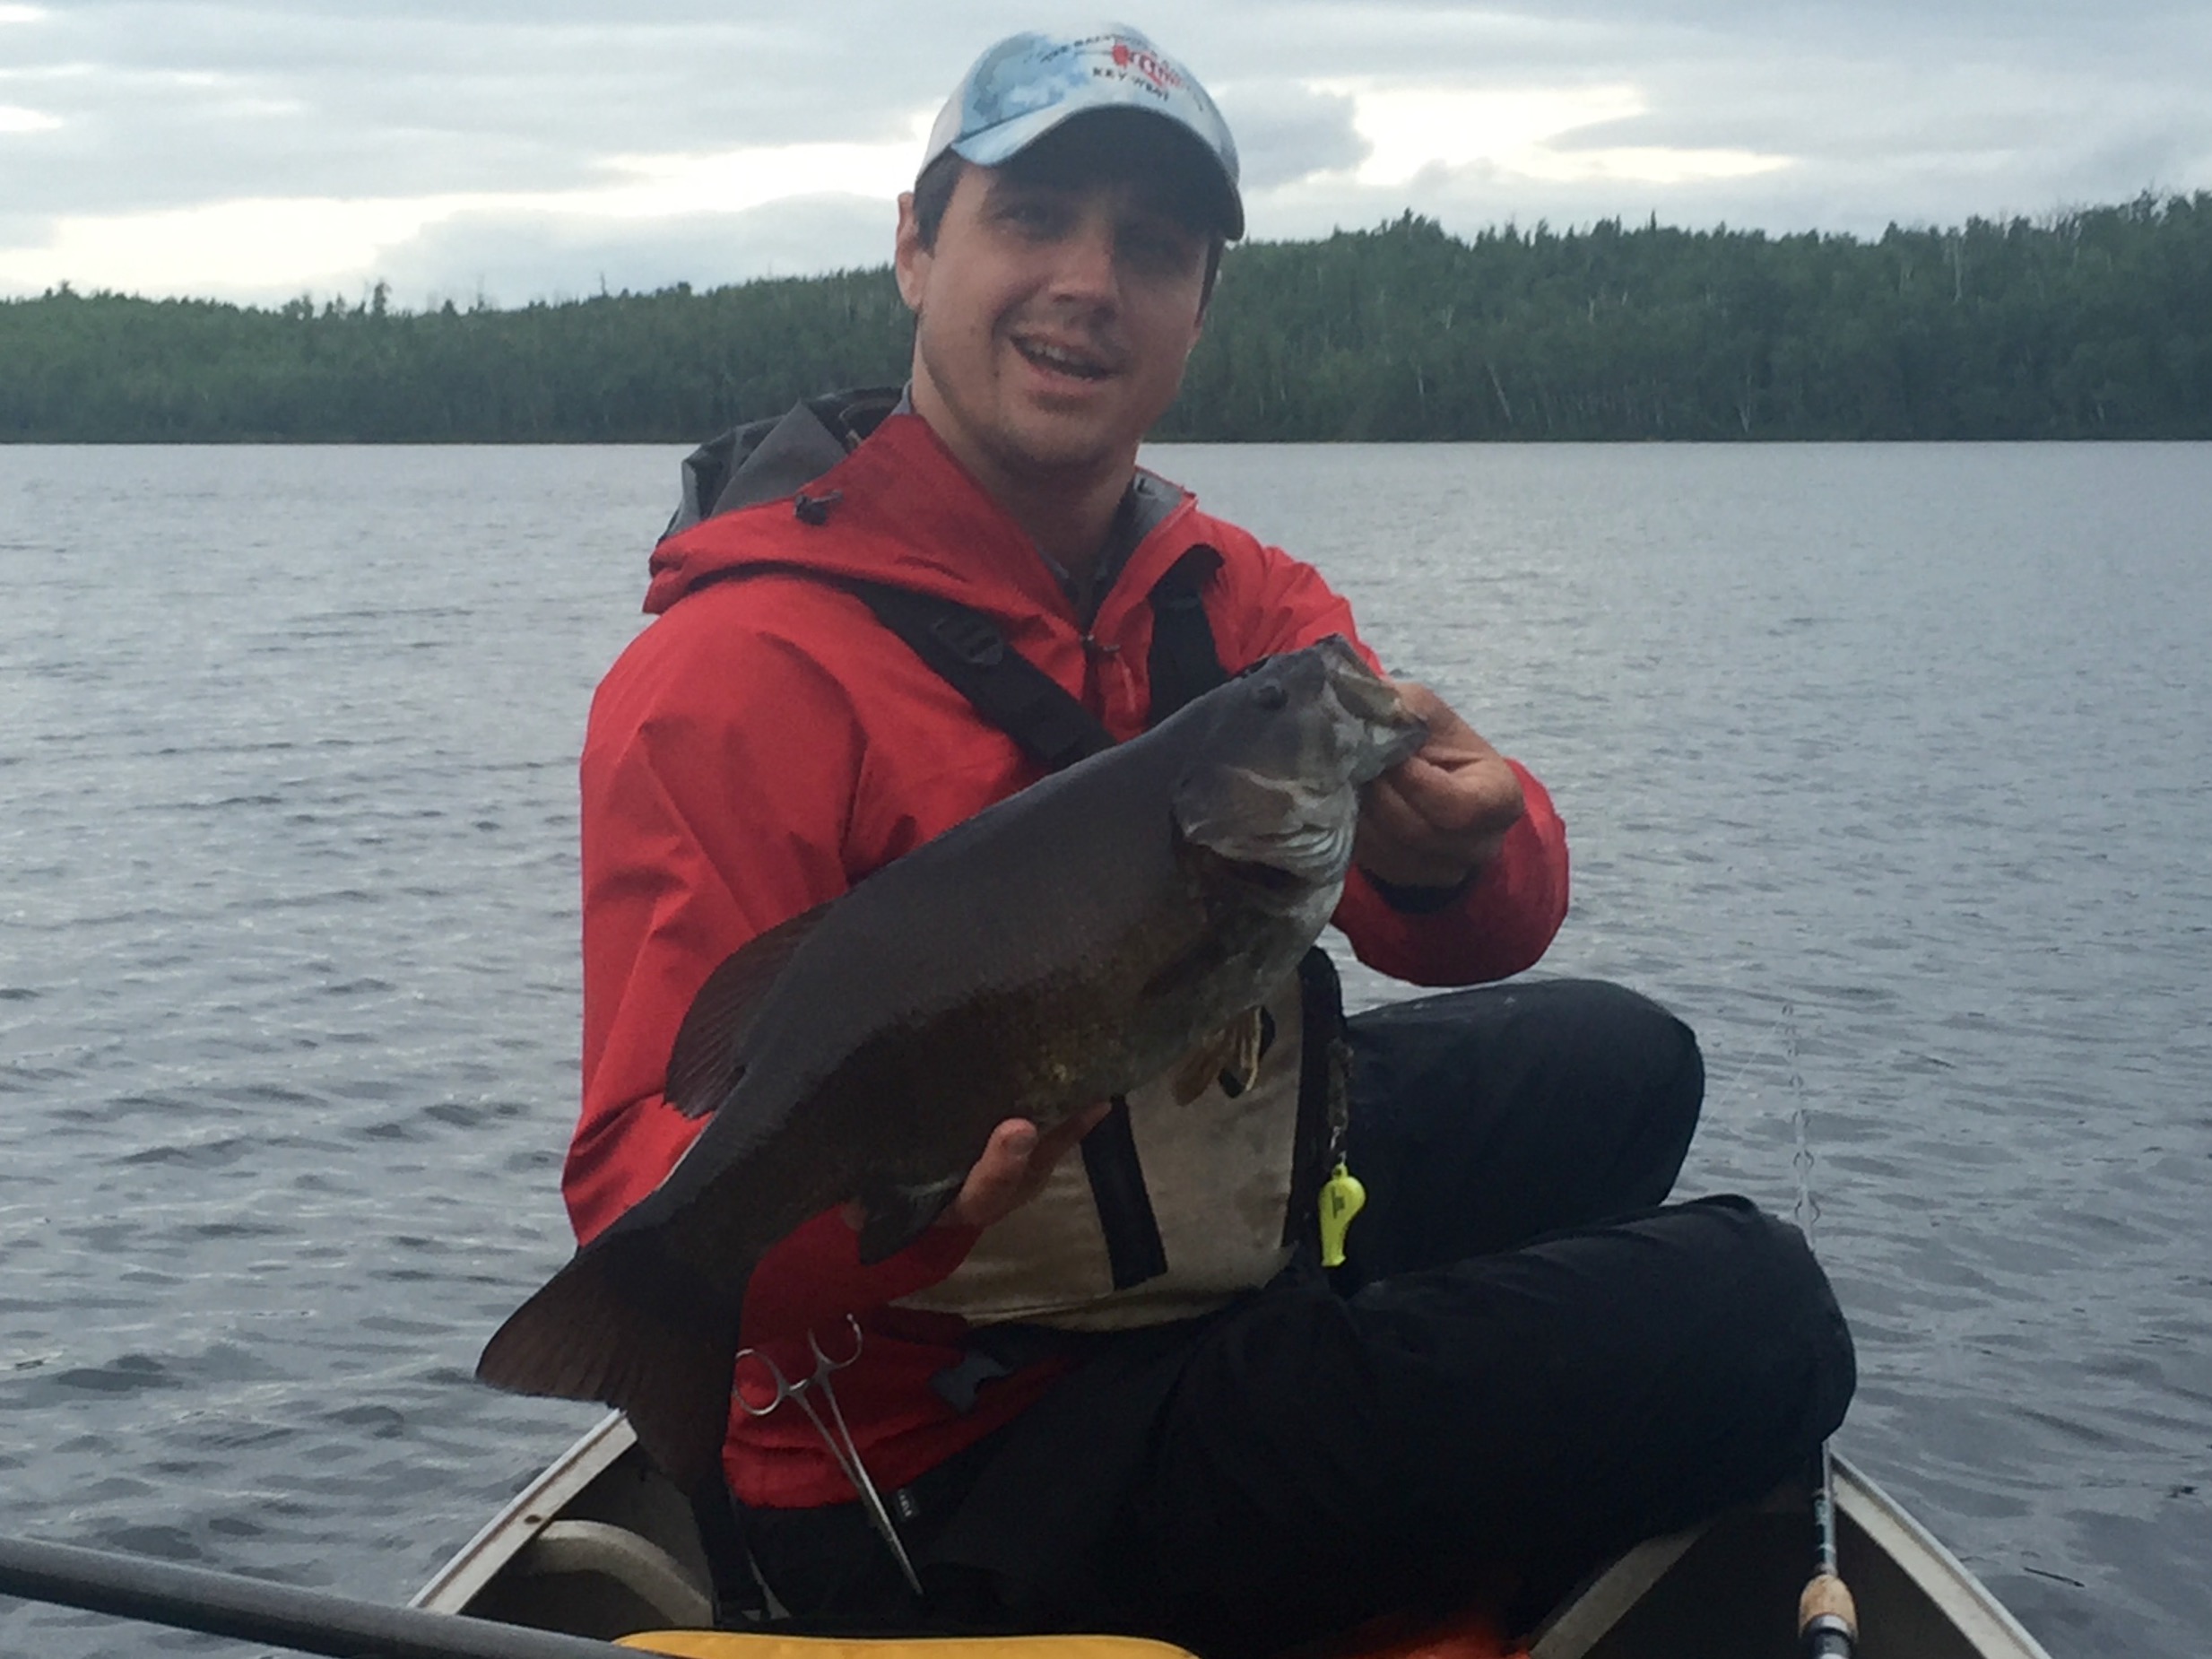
(602, 1544)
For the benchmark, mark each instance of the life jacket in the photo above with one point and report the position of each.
(1173, 1208)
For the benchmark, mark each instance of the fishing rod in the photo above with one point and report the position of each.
(1827, 1620)
(310, 1621)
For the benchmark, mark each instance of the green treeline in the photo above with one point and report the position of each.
(2091, 324)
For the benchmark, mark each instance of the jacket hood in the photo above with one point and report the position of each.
(903, 511)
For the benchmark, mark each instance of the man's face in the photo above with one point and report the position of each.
(1052, 323)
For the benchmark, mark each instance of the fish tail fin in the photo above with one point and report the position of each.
(582, 1337)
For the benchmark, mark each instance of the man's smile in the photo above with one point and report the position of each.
(1064, 356)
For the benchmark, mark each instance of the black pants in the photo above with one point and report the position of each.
(1526, 1361)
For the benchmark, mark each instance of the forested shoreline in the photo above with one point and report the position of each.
(2096, 323)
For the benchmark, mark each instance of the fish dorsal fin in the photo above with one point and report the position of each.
(704, 1063)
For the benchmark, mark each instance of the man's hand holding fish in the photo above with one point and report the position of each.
(1439, 816)
(1016, 1162)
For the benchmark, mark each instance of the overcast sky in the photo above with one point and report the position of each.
(257, 149)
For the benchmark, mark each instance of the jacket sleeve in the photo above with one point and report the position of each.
(1508, 916)
(719, 773)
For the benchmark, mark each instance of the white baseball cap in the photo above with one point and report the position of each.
(1028, 84)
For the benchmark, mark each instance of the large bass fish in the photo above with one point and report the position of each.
(1064, 946)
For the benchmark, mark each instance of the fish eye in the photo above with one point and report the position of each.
(1270, 694)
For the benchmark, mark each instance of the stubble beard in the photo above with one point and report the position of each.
(1028, 448)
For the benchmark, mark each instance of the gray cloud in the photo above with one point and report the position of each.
(512, 258)
(184, 103)
(1916, 111)
(1285, 132)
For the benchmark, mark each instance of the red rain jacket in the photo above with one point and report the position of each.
(767, 742)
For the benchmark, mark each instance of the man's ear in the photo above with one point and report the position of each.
(910, 258)
(1210, 284)
(1205, 309)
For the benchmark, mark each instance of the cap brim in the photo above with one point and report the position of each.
(998, 144)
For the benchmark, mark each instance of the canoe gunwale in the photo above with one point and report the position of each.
(1984, 1620)
(478, 1562)
(1902, 1547)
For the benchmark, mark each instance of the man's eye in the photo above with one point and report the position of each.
(1159, 252)
(1038, 218)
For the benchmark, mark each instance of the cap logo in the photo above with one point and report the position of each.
(1148, 65)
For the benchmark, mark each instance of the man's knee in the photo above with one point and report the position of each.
(1589, 1022)
(1650, 1051)
(1785, 1309)
(1518, 1109)
(1628, 1059)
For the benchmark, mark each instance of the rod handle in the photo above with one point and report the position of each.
(1827, 1620)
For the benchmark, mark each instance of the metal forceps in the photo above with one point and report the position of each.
(840, 1442)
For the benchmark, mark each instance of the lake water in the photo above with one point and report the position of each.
(1894, 757)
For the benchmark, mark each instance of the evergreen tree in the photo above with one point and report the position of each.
(2091, 324)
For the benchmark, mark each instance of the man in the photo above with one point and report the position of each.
(1118, 1389)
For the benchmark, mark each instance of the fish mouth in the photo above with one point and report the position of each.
(1324, 725)
(1395, 741)
(1378, 729)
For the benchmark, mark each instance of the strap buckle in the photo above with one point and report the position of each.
(971, 637)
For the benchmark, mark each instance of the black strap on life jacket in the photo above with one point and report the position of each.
(1183, 663)
(1135, 1251)
(1324, 1090)
(968, 652)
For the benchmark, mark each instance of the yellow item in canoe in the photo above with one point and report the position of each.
(1471, 1634)
(764, 1644)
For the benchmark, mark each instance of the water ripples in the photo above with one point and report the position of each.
(1891, 759)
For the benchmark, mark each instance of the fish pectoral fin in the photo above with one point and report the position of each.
(1231, 1055)
(893, 1217)
(703, 1064)
(1249, 1043)
(1197, 1070)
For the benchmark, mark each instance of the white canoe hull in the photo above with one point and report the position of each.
(600, 1544)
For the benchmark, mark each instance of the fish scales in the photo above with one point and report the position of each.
(1064, 946)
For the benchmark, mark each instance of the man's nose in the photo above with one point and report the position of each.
(1086, 268)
